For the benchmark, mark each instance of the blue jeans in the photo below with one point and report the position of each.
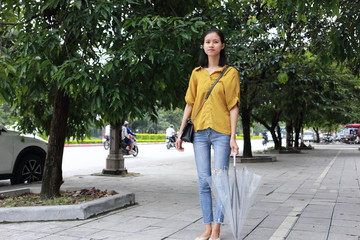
(203, 140)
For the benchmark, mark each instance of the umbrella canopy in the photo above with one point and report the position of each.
(236, 194)
(352, 125)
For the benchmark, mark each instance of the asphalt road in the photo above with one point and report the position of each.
(92, 159)
(89, 160)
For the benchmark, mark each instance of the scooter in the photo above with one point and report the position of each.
(265, 140)
(123, 149)
(170, 142)
(127, 152)
(328, 139)
(107, 143)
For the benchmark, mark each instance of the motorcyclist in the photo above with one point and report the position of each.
(107, 132)
(126, 134)
(171, 133)
(265, 137)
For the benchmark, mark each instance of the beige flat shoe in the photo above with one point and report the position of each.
(214, 239)
(202, 238)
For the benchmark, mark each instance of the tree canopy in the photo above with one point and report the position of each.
(63, 62)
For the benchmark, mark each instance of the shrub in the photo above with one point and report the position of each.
(141, 137)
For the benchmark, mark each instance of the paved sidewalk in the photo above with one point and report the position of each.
(311, 195)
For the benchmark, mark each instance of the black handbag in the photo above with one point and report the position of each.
(188, 131)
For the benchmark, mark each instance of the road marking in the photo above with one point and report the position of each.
(326, 170)
(285, 227)
(288, 223)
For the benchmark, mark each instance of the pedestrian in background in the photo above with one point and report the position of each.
(215, 123)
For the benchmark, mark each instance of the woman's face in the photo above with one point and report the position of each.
(212, 44)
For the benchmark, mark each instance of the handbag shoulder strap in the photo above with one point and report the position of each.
(208, 93)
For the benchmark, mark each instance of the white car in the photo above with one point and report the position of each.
(308, 137)
(22, 157)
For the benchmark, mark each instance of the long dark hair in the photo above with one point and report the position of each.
(203, 58)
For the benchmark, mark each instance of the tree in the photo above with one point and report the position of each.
(340, 98)
(56, 70)
(150, 48)
(67, 61)
(297, 25)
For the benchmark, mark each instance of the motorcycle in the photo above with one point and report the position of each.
(265, 140)
(107, 143)
(170, 142)
(123, 149)
(328, 138)
(127, 152)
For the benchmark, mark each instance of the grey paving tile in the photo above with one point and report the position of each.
(338, 236)
(308, 235)
(312, 224)
(81, 231)
(318, 211)
(60, 237)
(345, 223)
(107, 234)
(348, 230)
(15, 235)
(272, 221)
(261, 233)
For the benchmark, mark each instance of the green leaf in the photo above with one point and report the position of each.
(283, 77)
(10, 68)
(78, 4)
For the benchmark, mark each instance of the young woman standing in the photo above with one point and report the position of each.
(215, 123)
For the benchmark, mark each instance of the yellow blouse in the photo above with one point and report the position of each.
(215, 113)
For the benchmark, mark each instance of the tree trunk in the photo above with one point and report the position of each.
(52, 177)
(297, 133)
(289, 134)
(245, 119)
(276, 138)
(298, 129)
(279, 143)
(317, 135)
(274, 123)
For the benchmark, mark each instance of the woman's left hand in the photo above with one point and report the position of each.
(234, 147)
(178, 145)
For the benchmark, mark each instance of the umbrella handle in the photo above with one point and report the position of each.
(234, 160)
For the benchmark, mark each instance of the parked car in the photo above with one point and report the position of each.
(308, 137)
(22, 157)
(327, 138)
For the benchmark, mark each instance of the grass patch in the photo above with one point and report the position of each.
(69, 197)
(259, 152)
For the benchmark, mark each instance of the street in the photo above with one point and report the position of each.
(92, 159)
(89, 160)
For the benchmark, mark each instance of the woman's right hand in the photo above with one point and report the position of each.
(187, 114)
(178, 145)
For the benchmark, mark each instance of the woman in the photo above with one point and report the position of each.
(215, 123)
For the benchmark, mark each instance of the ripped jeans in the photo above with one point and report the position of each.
(203, 140)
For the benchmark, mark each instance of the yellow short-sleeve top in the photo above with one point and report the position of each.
(215, 113)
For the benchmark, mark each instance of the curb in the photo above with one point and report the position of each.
(65, 212)
(83, 145)
(101, 144)
(256, 159)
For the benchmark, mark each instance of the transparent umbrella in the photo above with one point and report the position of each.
(235, 193)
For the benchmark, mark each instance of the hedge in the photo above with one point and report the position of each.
(142, 137)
